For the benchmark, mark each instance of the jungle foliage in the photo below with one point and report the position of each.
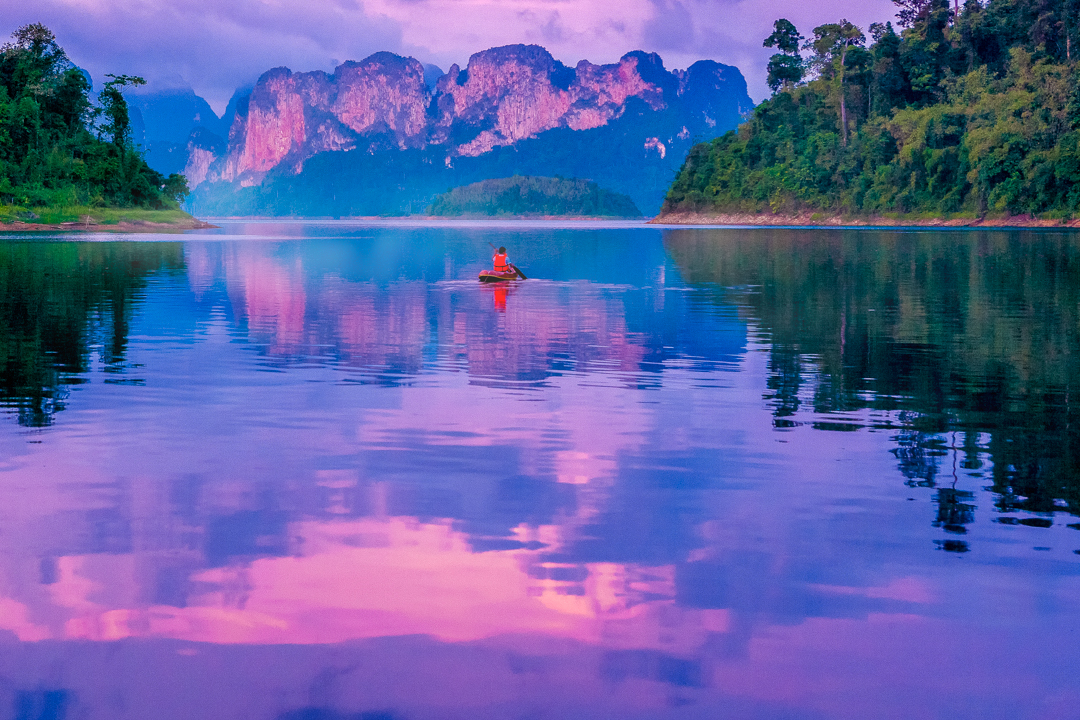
(59, 148)
(966, 110)
(522, 195)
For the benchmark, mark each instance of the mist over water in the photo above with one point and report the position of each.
(293, 471)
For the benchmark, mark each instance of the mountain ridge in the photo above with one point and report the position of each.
(505, 97)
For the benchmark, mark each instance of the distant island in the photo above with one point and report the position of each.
(968, 115)
(534, 197)
(65, 162)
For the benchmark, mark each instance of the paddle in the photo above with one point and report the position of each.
(512, 265)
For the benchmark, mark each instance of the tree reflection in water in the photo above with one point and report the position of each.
(61, 306)
(976, 334)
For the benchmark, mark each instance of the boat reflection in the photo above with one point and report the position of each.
(499, 293)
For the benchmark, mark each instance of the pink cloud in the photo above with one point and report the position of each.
(218, 47)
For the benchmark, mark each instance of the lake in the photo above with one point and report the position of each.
(288, 471)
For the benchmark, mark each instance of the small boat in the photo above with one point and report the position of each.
(492, 276)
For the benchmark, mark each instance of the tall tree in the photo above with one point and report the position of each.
(911, 12)
(887, 84)
(925, 55)
(831, 44)
(114, 108)
(36, 46)
(785, 37)
(1070, 12)
(785, 67)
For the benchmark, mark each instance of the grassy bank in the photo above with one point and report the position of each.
(15, 218)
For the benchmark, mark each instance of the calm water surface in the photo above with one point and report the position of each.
(318, 472)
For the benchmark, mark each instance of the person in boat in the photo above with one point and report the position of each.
(502, 265)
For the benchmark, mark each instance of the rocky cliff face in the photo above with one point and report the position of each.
(203, 148)
(504, 96)
(291, 116)
(516, 92)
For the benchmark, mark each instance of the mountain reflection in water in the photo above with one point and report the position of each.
(296, 471)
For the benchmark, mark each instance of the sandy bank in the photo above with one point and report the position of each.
(818, 219)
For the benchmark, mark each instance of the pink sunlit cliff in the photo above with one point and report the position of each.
(504, 98)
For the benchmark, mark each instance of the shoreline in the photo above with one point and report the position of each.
(124, 226)
(423, 221)
(696, 219)
(819, 219)
(425, 218)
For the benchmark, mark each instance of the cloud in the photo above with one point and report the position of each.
(214, 46)
(671, 26)
(682, 31)
(732, 31)
(219, 46)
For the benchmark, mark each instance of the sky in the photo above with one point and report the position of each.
(217, 46)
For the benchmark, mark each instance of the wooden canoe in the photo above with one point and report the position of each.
(491, 276)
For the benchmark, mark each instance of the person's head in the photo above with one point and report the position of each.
(502, 251)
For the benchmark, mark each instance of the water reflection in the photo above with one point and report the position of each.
(663, 478)
(64, 307)
(971, 334)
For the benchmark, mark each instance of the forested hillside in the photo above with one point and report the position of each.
(969, 109)
(60, 149)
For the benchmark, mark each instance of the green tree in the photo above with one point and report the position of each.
(786, 67)
(925, 54)
(785, 37)
(114, 108)
(56, 147)
(39, 55)
(176, 188)
(971, 113)
(1070, 21)
(911, 12)
(831, 44)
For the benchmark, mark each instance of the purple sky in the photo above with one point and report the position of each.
(219, 45)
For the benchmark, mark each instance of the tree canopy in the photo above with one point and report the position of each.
(59, 147)
(968, 111)
(524, 195)
(786, 67)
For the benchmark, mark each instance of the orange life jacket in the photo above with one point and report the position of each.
(501, 265)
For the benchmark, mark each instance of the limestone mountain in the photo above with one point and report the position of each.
(163, 119)
(384, 136)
